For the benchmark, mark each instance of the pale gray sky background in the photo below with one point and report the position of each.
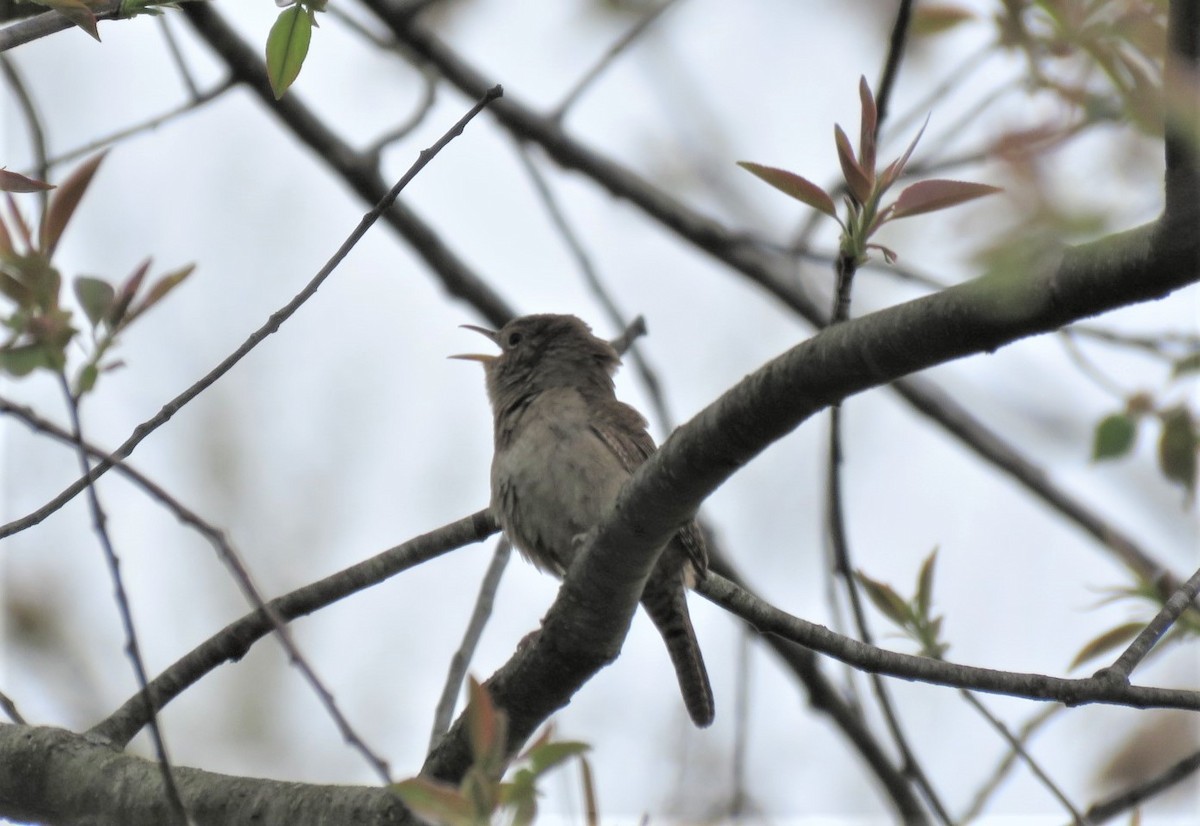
(349, 431)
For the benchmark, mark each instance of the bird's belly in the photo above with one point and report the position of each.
(553, 483)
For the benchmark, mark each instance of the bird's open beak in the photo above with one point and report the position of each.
(482, 358)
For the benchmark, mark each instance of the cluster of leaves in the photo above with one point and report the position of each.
(912, 616)
(39, 327)
(1112, 54)
(865, 186)
(1178, 431)
(483, 795)
(287, 42)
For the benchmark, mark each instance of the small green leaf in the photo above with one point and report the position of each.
(790, 183)
(549, 755)
(1187, 364)
(859, 181)
(930, 196)
(287, 46)
(62, 205)
(1177, 448)
(1114, 437)
(24, 359)
(95, 296)
(1108, 641)
(16, 182)
(86, 379)
(886, 600)
(434, 802)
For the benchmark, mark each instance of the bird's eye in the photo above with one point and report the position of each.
(514, 338)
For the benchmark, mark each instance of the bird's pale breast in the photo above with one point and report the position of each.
(554, 480)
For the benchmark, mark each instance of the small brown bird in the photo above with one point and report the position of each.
(564, 446)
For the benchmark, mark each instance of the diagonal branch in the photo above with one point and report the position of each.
(585, 627)
(774, 273)
(1072, 692)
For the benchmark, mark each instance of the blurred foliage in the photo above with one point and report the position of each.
(483, 797)
(40, 328)
(913, 616)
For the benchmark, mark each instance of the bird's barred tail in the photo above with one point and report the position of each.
(665, 600)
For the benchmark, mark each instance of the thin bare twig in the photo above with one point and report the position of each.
(1018, 748)
(839, 544)
(144, 126)
(193, 88)
(124, 609)
(232, 642)
(739, 798)
(228, 555)
(606, 60)
(1074, 691)
(416, 118)
(270, 326)
(1128, 799)
(461, 660)
(33, 122)
(891, 66)
(1089, 367)
(1008, 763)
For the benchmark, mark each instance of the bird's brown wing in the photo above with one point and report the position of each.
(623, 430)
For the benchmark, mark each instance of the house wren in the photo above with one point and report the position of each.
(564, 446)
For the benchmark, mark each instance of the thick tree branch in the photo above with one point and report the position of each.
(56, 776)
(775, 273)
(584, 628)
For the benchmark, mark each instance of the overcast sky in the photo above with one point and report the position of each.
(349, 431)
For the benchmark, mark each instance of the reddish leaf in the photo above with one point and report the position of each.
(896, 168)
(16, 182)
(6, 244)
(858, 180)
(870, 122)
(18, 220)
(160, 288)
(930, 196)
(790, 183)
(64, 202)
(116, 314)
(487, 729)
